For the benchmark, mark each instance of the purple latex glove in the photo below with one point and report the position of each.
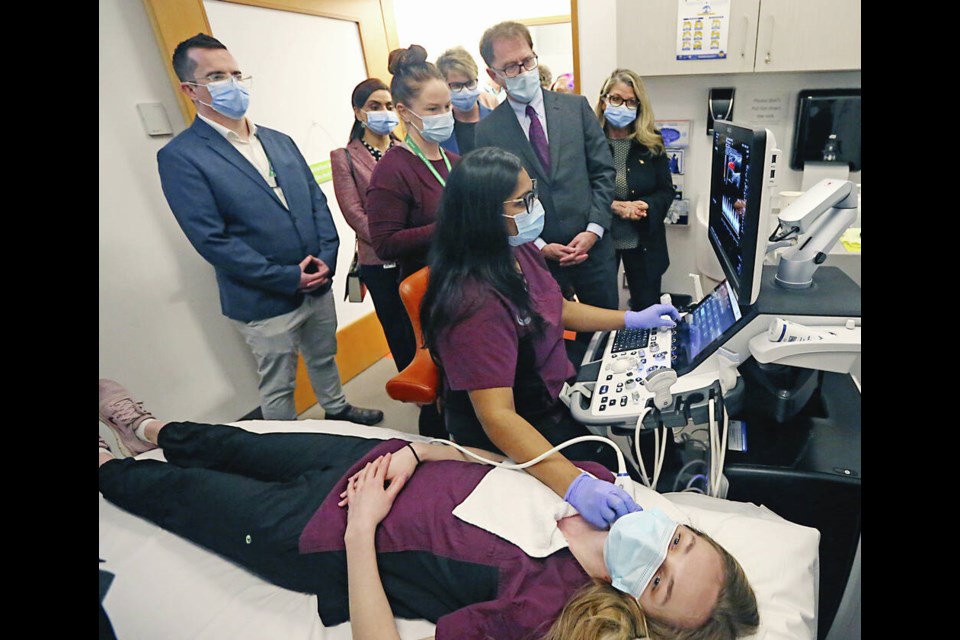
(600, 503)
(650, 318)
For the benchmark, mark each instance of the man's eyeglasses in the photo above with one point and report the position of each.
(513, 70)
(221, 76)
(526, 199)
(617, 101)
(457, 87)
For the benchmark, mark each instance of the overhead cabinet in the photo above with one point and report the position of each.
(763, 36)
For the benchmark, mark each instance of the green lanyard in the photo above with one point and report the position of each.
(416, 150)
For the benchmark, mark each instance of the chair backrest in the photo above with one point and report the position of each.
(419, 381)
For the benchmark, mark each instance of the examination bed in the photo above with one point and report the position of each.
(166, 587)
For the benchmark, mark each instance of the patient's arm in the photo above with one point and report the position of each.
(404, 464)
(519, 439)
(370, 615)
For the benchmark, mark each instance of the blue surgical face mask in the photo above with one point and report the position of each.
(529, 225)
(465, 98)
(619, 117)
(381, 122)
(524, 87)
(636, 547)
(435, 128)
(229, 97)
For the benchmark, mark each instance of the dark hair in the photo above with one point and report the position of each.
(470, 243)
(183, 66)
(410, 71)
(502, 31)
(361, 93)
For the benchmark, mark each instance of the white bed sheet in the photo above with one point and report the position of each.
(166, 587)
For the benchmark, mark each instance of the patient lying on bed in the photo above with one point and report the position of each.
(369, 527)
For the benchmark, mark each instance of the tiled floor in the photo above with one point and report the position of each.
(367, 390)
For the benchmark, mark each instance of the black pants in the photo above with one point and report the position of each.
(245, 496)
(383, 287)
(644, 286)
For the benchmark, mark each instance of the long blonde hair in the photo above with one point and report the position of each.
(600, 612)
(644, 127)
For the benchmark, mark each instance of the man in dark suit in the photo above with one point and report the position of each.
(561, 144)
(247, 201)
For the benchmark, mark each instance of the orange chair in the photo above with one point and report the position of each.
(419, 381)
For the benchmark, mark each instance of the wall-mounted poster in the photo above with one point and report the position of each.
(676, 133)
(675, 161)
(702, 29)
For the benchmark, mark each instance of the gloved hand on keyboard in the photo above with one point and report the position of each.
(650, 318)
(600, 503)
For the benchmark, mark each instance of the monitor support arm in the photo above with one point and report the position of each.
(813, 222)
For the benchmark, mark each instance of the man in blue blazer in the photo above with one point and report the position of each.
(560, 142)
(247, 201)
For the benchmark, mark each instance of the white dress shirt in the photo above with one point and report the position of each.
(252, 150)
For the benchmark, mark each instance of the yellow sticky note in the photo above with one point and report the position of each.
(851, 240)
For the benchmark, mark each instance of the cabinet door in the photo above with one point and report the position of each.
(808, 35)
(647, 34)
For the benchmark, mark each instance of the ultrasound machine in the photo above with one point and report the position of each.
(627, 373)
(773, 418)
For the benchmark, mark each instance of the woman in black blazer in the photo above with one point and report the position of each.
(644, 188)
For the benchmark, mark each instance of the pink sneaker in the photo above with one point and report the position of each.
(122, 413)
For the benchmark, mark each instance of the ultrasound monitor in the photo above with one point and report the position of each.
(744, 162)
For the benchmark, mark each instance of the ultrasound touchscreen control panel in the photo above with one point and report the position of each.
(630, 355)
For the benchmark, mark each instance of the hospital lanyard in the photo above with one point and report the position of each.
(416, 150)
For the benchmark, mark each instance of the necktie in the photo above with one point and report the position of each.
(538, 139)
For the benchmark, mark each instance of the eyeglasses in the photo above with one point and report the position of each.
(513, 70)
(457, 87)
(526, 199)
(221, 76)
(616, 101)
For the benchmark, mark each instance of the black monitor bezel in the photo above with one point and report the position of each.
(742, 284)
(805, 99)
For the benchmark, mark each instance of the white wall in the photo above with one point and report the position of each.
(161, 331)
(597, 24)
(685, 98)
(554, 46)
(438, 27)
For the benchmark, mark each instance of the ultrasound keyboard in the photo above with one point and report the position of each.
(630, 355)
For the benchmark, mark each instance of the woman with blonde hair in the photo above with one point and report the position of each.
(601, 611)
(644, 188)
(470, 104)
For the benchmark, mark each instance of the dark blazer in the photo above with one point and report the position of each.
(649, 179)
(238, 224)
(579, 189)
